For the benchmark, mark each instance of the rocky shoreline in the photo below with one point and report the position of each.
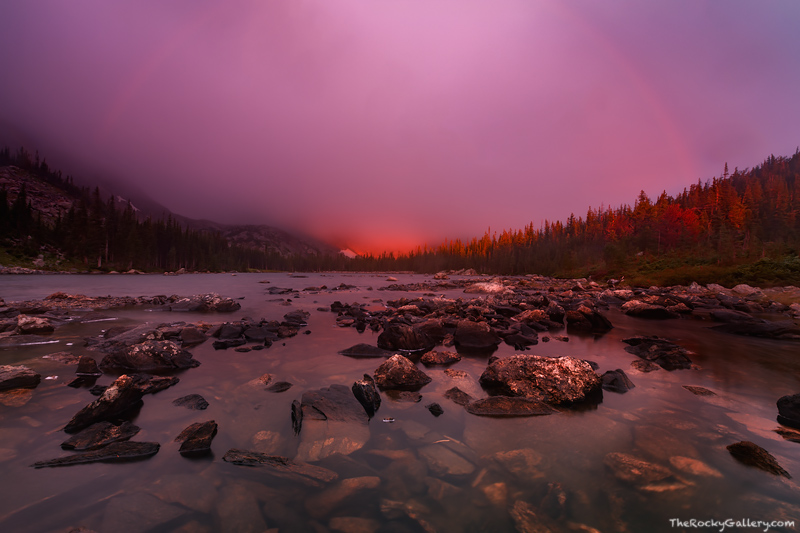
(430, 330)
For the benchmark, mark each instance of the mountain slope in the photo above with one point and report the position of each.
(51, 197)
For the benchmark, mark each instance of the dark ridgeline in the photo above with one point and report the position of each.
(743, 226)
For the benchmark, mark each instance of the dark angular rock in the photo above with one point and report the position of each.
(362, 350)
(191, 401)
(191, 336)
(402, 337)
(458, 396)
(296, 319)
(279, 386)
(87, 367)
(149, 356)
(18, 377)
(259, 334)
(553, 380)
(121, 396)
(789, 410)
(367, 394)
(113, 453)
(282, 467)
(336, 403)
(196, 439)
(508, 406)
(99, 435)
(435, 409)
(475, 336)
(400, 373)
(664, 353)
(434, 329)
(617, 381)
(228, 331)
(434, 357)
(754, 455)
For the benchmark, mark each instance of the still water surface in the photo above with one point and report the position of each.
(456, 472)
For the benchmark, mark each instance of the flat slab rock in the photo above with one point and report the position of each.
(509, 406)
(18, 377)
(99, 435)
(336, 402)
(553, 380)
(114, 452)
(281, 466)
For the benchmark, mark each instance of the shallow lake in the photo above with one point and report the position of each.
(414, 471)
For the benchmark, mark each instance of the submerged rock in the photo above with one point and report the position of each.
(114, 452)
(553, 380)
(364, 351)
(191, 401)
(458, 396)
(699, 391)
(439, 358)
(281, 467)
(508, 406)
(18, 377)
(636, 471)
(149, 356)
(751, 454)
(664, 353)
(99, 435)
(400, 373)
(196, 439)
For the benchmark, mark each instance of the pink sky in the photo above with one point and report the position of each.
(385, 124)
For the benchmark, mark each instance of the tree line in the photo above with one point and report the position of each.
(733, 219)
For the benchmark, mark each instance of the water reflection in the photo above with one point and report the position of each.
(455, 472)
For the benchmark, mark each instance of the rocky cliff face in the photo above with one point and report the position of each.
(45, 198)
